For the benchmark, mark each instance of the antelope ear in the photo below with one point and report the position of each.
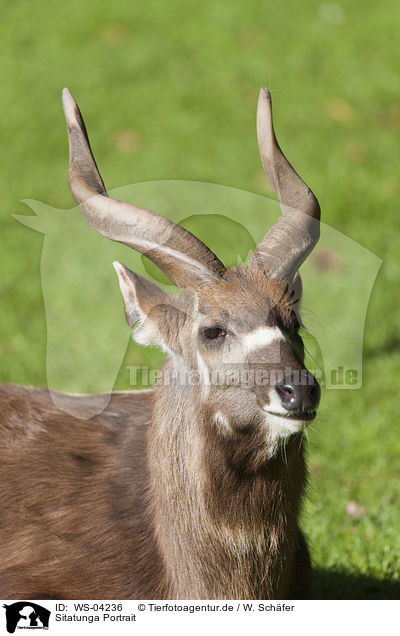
(139, 294)
(297, 287)
(152, 307)
(296, 293)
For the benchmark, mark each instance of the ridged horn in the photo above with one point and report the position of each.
(287, 244)
(177, 252)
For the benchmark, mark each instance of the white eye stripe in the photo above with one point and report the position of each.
(204, 375)
(261, 337)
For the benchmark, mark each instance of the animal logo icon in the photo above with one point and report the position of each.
(25, 614)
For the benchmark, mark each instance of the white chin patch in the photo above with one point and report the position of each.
(279, 425)
(282, 427)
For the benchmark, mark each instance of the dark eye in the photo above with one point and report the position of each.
(214, 333)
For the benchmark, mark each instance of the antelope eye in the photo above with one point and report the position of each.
(214, 333)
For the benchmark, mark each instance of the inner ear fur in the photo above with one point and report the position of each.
(160, 320)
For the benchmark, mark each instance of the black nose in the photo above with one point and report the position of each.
(299, 392)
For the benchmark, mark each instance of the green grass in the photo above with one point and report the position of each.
(169, 91)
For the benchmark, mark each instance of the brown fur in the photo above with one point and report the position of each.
(225, 522)
(73, 494)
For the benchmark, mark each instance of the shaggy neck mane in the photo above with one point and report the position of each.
(223, 522)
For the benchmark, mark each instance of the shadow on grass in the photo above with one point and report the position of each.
(342, 585)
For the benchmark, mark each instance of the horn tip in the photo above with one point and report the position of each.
(70, 107)
(265, 93)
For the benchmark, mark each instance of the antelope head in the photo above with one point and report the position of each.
(240, 325)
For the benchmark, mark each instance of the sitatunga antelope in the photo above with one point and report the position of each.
(181, 491)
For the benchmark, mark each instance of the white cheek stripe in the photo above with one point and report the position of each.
(204, 376)
(261, 337)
